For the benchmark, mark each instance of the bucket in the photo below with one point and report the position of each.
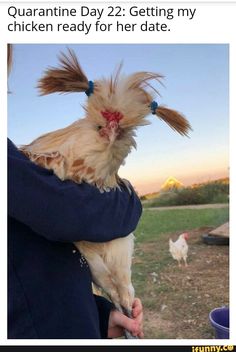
(219, 318)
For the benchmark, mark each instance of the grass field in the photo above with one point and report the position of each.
(176, 300)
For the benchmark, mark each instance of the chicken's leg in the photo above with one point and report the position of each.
(185, 261)
(128, 335)
(110, 265)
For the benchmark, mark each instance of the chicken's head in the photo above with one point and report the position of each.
(96, 146)
(185, 235)
(116, 106)
(111, 130)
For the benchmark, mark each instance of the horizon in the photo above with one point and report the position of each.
(200, 181)
(196, 84)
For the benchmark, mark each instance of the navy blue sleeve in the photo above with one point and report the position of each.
(63, 210)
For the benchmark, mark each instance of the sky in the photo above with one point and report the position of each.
(196, 83)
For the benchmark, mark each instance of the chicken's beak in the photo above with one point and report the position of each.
(111, 131)
(114, 129)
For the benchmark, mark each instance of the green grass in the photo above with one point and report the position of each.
(158, 280)
(153, 223)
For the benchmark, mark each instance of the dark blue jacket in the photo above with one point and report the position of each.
(49, 285)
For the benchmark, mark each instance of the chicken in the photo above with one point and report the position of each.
(179, 248)
(93, 148)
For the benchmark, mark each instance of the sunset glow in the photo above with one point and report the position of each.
(196, 84)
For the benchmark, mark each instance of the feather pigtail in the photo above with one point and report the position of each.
(67, 78)
(173, 118)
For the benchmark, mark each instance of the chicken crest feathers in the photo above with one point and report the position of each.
(131, 95)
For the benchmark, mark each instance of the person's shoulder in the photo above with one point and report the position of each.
(13, 151)
(10, 144)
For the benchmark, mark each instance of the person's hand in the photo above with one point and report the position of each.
(118, 322)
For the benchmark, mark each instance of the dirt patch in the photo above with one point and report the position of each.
(154, 322)
(193, 206)
(176, 300)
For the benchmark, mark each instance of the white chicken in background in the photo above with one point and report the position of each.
(179, 248)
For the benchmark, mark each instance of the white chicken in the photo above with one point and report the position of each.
(179, 248)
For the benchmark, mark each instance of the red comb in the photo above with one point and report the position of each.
(186, 235)
(112, 116)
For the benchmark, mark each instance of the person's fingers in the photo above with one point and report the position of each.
(127, 323)
(141, 335)
(119, 321)
(115, 332)
(137, 312)
(136, 302)
(137, 307)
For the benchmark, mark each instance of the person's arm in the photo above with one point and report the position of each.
(63, 210)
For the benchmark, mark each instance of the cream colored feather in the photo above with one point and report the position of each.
(92, 150)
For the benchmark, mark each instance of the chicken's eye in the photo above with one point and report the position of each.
(99, 128)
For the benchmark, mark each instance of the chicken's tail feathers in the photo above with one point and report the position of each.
(174, 119)
(67, 77)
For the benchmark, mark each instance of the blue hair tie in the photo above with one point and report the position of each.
(153, 107)
(90, 89)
